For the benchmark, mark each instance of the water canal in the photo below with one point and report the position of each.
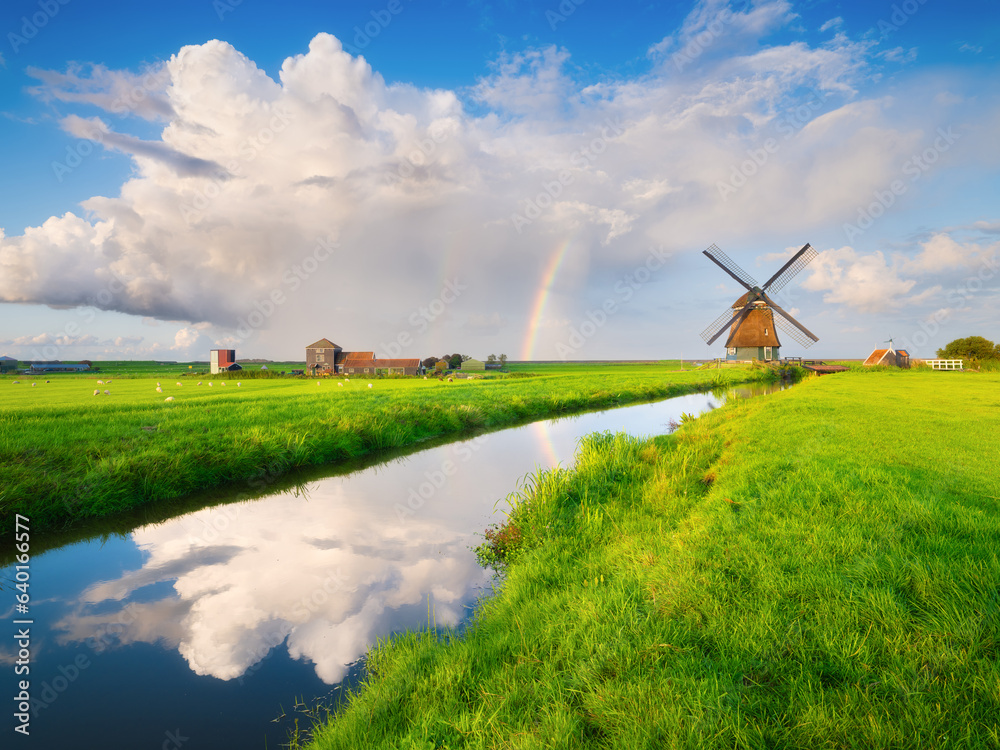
(216, 628)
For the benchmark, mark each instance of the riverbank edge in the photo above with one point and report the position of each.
(62, 503)
(660, 594)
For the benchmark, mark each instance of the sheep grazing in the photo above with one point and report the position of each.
(97, 392)
(179, 383)
(223, 384)
(199, 383)
(46, 381)
(169, 398)
(238, 385)
(451, 380)
(107, 392)
(159, 390)
(157, 383)
(100, 382)
(340, 384)
(33, 385)
(209, 385)
(15, 382)
(369, 385)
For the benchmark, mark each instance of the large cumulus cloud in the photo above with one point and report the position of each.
(251, 176)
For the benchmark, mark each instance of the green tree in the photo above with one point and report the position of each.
(973, 347)
(503, 360)
(491, 358)
(455, 361)
(430, 362)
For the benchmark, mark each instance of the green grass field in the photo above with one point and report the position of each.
(66, 454)
(814, 569)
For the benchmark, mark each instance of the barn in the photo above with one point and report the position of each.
(43, 367)
(223, 360)
(325, 357)
(8, 364)
(476, 365)
(891, 357)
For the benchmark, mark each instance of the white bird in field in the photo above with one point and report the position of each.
(107, 392)
(169, 398)
(97, 392)
(369, 385)
(159, 390)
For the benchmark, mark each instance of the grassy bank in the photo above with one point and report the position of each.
(66, 454)
(813, 569)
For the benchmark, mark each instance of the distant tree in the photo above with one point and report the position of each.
(973, 347)
(430, 362)
(503, 360)
(442, 365)
(491, 358)
(455, 361)
(465, 357)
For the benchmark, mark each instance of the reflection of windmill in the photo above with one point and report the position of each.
(752, 318)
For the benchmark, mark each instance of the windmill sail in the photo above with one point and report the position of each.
(762, 312)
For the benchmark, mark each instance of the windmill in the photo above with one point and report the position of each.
(752, 318)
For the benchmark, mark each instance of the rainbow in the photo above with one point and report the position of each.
(542, 298)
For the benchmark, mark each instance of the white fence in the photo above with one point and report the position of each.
(944, 364)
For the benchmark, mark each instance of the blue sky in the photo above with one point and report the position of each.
(530, 178)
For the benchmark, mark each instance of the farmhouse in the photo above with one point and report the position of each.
(8, 364)
(325, 357)
(223, 360)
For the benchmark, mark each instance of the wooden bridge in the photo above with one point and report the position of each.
(816, 365)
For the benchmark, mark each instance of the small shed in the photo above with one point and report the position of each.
(8, 364)
(473, 365)
(890, 357)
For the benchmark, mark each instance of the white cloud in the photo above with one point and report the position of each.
(118, 91)
(865, 282)
(834, 23)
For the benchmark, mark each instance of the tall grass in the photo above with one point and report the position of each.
(817, 569)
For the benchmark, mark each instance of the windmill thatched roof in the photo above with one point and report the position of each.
(757, 329)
